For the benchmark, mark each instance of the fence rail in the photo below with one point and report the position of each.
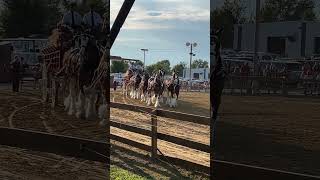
(84, 148)
(223, 169)
(154, 134)
(252, 85)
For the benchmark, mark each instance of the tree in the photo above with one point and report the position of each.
(232, 12)
(139, 63)
(100, 6)
(179, 68)
(151, 68)
(288, 10)
(163, 65)
(26, 17)
(199, 63)
(119, 67)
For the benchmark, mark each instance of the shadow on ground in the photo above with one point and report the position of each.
(140, 163)
(263, 148)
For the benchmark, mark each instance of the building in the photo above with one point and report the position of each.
(294, 39)
(27, 48)
(197, 74)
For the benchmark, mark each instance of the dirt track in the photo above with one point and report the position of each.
(186, 130)
(272, 132)
(24, 110)
(24, 164)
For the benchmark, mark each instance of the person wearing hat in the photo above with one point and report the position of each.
(92, 20)
(72, 18)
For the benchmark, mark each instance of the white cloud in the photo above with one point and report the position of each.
(162, 12)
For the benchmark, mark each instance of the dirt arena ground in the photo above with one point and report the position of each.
(272, 132)
(24, 110)
(192, 103)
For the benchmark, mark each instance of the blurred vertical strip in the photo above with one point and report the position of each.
(217, 77)
(108, 47)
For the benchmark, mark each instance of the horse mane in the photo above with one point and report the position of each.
(54, 38)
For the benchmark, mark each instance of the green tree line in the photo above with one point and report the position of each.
(121, 66)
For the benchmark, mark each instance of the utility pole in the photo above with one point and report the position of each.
(144, 57)
(192, 45)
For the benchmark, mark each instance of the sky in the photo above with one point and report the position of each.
(163, 27)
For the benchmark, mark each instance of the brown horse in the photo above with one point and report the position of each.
(126, 81)
(173, 89)
(156, 87)
(80, 66)
(144, 86)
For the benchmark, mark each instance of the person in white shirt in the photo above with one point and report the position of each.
(72, 18)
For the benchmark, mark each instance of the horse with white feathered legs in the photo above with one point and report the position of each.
(155, 89)
(134, 83)
(173, 89)
(79, 68)
(143, 86)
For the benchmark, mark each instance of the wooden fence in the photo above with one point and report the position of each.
(155, 135)
(98, 151)
(222, 169)
(253, 85)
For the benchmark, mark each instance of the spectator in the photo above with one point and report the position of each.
(115, 85)
(15, 69)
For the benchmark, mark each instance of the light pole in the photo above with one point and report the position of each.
(144, 57)
(191, 54)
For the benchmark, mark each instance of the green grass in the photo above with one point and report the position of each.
(121, 174)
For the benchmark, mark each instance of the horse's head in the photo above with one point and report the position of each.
(160, 74)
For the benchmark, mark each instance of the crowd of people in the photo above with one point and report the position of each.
(309, 70)
(266, 70)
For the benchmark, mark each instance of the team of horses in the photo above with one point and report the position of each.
(81, 77)
(139, 84)
(78, 74)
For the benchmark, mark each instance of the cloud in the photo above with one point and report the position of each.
(154, 13)
(158, 14)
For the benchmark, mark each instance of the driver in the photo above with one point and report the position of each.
(92, 20)
(72, 18)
